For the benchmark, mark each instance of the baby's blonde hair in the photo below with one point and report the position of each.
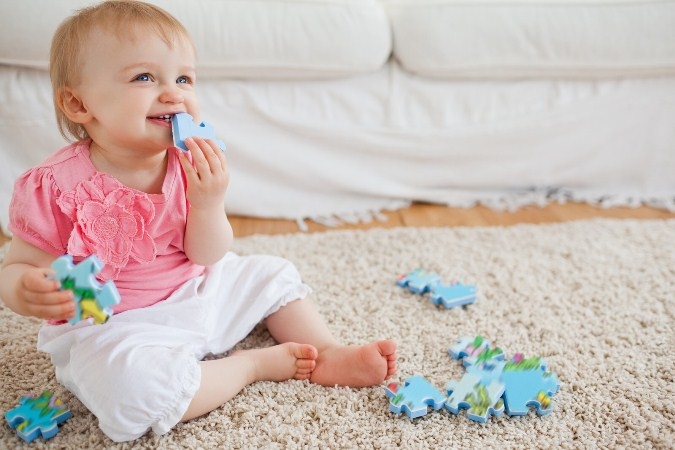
(118, 16)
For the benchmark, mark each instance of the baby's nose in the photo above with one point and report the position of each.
(171, 94)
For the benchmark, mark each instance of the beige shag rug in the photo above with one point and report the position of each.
(595, 298)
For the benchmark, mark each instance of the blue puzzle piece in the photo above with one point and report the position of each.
(481, 399)
(183, 127)
(92, 299)
(414, 397)
(467, 346)
(527, 383)
(36, 416)
(418, 281)
(488, 371)
(451, 295)
(473, 350)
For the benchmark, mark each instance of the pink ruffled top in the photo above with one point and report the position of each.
(65, 205)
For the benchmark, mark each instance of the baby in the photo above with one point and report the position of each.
(154, 215)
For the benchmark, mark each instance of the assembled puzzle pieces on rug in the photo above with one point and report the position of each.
(490, 385)
(183, 127)
(92, 299)
(420, 281)
(37, 415)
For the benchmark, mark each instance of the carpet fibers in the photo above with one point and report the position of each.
(595, 298)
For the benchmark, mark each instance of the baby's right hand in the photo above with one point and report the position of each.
(40, 296)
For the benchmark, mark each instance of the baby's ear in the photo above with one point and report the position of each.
(70, 102)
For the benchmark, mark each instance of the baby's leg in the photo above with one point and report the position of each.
(222, 379)
(355, 366)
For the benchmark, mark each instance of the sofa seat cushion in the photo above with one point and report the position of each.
(534, 38)
(235, 38)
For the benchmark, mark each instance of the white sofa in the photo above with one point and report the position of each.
(338, 109)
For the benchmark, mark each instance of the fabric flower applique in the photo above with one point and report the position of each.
(110, 221)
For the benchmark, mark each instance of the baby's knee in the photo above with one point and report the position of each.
(130, 396)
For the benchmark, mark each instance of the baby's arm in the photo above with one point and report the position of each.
(208, 233)
(25, 288)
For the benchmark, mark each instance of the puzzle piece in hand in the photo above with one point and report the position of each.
(481, 399)
(37, 416)
(418, 281)
(453, 294)
(92, 299)
(414, 397)
(474, 350)
(528, 383)
(183, 127)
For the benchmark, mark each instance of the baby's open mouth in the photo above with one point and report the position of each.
(164, 117)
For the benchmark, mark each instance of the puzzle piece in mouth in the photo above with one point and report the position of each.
(183, 127)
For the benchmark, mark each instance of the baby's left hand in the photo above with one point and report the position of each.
(207, 176)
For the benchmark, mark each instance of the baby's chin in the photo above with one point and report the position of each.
(164, 144)
(157, 147)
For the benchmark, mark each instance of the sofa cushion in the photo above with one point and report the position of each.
(534, 38)
(235, 38)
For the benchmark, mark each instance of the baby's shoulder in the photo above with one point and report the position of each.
(64, 168)
(67, 156)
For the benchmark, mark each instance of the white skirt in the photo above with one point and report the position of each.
(140, 371)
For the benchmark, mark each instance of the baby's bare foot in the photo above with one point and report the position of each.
(356, 366)
(281, 362)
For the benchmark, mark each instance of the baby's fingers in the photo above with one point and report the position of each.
(42, 297)
(39, 281)
(215, 155)
(206, 155)
(54, 305)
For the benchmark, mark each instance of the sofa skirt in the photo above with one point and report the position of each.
(347, 148)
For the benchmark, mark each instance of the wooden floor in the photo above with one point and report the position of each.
(423, 215)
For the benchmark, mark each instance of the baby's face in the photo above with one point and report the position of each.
(132, 86)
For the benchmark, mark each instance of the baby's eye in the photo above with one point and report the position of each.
(184, 80)
(142, 77)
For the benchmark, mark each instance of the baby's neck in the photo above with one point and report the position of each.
(143, 174)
